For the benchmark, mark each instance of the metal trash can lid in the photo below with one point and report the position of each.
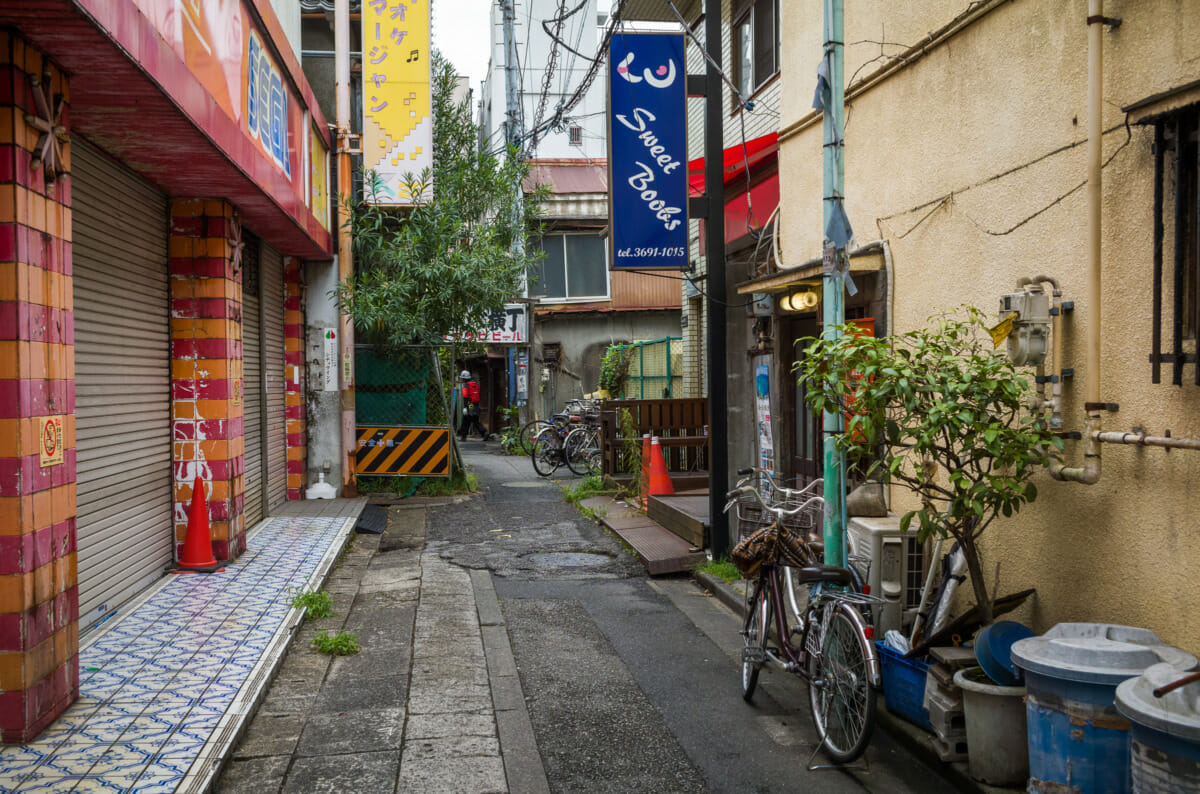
(1096, 653)
(1176, 713)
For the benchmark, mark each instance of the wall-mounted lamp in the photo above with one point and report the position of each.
(799, 301)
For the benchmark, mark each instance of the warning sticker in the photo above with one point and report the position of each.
(1001, 330)
(50, 440)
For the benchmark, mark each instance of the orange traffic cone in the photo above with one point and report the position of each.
(197, 543)
(660, 480)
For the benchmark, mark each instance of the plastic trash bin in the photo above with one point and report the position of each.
(1077, 739)
(1164, 732)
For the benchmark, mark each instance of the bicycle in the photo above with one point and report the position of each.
(581, 447)
(547, 454)
(834, 653)
(549, 450)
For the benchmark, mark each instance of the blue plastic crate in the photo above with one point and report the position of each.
(904, 685)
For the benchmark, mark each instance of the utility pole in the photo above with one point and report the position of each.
(341, 39)
(714, 240)
(833, 312)
(514, 125)
(513, 133)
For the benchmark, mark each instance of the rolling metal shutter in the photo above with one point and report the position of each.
(274, 388)
(122, 381)
(253, 510)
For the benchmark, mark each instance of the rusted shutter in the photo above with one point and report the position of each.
(253, 508)
(275, 423)
(120, 282)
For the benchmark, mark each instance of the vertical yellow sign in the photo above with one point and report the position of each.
(397, 106)
(319, 158)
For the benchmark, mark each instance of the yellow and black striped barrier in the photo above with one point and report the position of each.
(394, 451)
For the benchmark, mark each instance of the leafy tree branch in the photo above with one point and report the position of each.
(444, 266)
(938, 411)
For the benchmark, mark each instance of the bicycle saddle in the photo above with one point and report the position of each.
(825, 574)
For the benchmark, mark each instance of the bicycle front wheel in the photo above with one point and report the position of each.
(755, 632)
(843, 703)
(547, 454)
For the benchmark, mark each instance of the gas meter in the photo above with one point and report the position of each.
(1031, 324)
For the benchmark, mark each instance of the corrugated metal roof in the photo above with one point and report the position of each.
(569, 176)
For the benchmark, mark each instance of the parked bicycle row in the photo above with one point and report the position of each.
(570, 438)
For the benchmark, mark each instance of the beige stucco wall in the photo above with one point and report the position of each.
(985, 130)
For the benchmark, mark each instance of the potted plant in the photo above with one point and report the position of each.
(940, 411)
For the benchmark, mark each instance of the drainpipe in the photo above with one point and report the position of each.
(341, 39)
(1089, 472)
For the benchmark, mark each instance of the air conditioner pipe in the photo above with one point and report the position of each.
(1089, 472)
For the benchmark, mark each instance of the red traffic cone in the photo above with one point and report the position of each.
(660, 479)
(197, 543)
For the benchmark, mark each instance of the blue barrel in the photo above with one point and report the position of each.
(1165, 747)
(1077, 738)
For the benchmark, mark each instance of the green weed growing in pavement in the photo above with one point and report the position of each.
(344, 643)
(316, 604)
(589, 486)
(462, 482)
(721, 568)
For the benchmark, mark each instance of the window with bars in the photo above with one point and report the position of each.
(575, 267)
(575, 135)
(755, 45)
(1177, 236)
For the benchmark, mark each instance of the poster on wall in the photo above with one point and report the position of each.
(762, 414)
(397, 106)
(647, 152)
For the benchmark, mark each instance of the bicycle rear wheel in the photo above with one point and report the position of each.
(547, 453)
(840, 694)
(755, 632)
(529, 432)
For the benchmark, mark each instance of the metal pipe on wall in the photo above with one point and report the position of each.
(341, 33)
(1089, 472)
(1143, 440)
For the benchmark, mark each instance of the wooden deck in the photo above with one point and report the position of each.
(661, 550)
(685, 514)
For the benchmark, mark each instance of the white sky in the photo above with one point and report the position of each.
(460, 32)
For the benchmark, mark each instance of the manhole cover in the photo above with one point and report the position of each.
(524, 484)
(568, 559)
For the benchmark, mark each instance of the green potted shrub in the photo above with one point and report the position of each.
(942, 412)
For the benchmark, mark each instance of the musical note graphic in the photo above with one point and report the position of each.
(413, 56)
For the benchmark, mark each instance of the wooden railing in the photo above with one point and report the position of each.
(680, 424)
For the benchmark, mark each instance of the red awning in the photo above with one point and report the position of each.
(736, 159)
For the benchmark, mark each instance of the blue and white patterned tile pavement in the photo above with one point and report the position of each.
(164, 689)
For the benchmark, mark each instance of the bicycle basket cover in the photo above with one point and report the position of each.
(754, 551)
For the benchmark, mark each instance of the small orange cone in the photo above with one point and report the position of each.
(660, 479)
(197, 543)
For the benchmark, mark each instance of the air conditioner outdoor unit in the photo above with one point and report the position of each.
(893, 564)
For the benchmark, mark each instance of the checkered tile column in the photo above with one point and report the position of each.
(206, 369)
(294, 372)
(39, 596)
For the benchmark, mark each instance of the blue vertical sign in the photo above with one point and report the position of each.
(647, 152)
